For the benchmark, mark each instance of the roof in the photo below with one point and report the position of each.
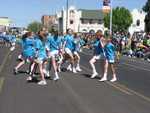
(92, 14)
(4, 17)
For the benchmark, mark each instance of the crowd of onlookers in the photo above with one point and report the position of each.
(135, 45)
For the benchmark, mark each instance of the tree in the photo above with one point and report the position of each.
(121, 19)
(146, 8)
(35, 26)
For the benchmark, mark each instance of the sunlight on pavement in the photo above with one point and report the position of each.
(1, 83)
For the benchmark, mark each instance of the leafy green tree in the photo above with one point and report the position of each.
(146, 8)
(121, 19)
(35, 26)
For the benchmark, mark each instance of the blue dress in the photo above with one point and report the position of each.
(69, 42)
(40, 49)
(28, 49)
(110, 52)
(98, 50)
(54, 43)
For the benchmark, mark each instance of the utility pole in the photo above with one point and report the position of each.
(111, 14)
(67, 6)
(108, 6)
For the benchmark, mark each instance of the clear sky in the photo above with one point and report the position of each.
(22, 12)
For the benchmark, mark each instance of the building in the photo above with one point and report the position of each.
(49, 21)
(4, 23)
(80, 20)
(138, 24)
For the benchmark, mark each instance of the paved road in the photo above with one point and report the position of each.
(76, 93)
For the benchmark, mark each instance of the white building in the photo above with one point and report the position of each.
(138, 21)
(4, 23)
(80, 20)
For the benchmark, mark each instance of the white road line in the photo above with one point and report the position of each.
(4, 61)
(119, 88)
(123, 88)
(1, 83)
(110, 84)
(1, 68)
(134, 92)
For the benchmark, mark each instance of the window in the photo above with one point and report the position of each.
(82, 21)
(91, 21)
(71, 22)
(100, 21)
(91, 31)
(138, 22)
(72, 13)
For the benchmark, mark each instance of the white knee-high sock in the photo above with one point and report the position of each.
(78, 65)
(93, 67)
(56, 75)
(105, 75)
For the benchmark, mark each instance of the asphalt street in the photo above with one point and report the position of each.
(76, 93)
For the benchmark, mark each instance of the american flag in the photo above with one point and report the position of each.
(106, 2)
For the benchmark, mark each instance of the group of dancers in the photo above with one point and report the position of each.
(43, 50)
(8, 39)
(104, 50)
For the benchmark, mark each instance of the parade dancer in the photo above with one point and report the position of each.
(28, 50)
(53, 48)
(12, 42)
(110, 60)
(40, 56)
(98, 53)
(68, 47)
(76, 50)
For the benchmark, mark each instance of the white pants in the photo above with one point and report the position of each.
(69, 52)
(54, 53)
(97, 57)
(39, 60)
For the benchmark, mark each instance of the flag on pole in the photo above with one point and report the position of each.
(106, 2)
(106, 6)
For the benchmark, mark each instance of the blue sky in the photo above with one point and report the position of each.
(22, 12)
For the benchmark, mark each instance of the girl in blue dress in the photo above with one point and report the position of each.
(109, 60)
(68, 47)
(28, 50)
(40, 56)
(53, 47)
(77, 45)
(98, 53)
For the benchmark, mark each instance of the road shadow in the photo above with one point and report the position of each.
(63, 69)
(26, 72)
(34, 80)
(89, 76)
(23, 72)
(20, 73)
